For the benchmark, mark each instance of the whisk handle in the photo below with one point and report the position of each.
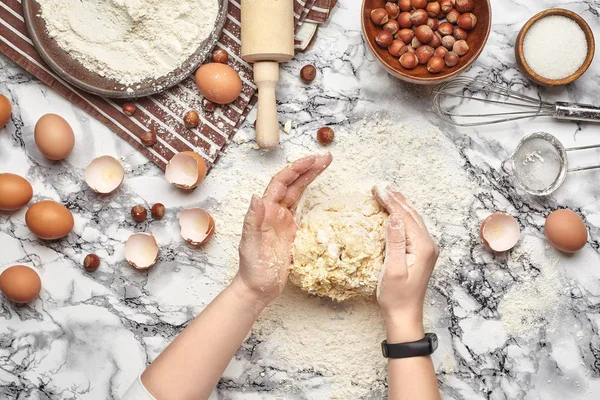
(576, 112)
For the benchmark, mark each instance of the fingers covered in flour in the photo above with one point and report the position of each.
(297, 188)
(279, 185)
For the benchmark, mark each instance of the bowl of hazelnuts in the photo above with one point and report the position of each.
(424, 41)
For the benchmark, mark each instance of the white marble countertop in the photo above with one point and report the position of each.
(89, 335)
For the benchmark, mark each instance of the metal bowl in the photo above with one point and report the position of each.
(76, 74)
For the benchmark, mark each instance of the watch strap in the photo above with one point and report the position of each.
(419, 348)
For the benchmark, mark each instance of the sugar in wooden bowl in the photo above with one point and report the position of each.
(555, 47)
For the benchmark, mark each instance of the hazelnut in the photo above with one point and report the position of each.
(404, 5)
(391, 26)
(148, 138)
(445, 28)
(139, 213)
(464, 6)
(325, 136)
(379, 16)
(460, 34)
(308, 73)
(406, 35)
(419, 17)
(129, 109)
(384, 38)
(406, 49)
(451, 59)
(440, 52)
(404, 20)
(433, 23)
(441, 15)
(417, 4)
(415, 43)
(392, 9)
(435, 64)
(91, 262)
(446, 6)
(395, 48)
(436, 41)
(424, 53)
(460, 47)
(448, 42)
(424, 34)
(220, 56)
(467, 21)
(158, 211)
(208, 105)
(191, 119)
(452, 16)
(433, 9)
(409, 60)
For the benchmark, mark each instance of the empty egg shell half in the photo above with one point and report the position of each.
(186, 170)
(141, 250)
(104, 174)
(500, 232)
(197, 226)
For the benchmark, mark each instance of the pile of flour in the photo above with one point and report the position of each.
(130, 40)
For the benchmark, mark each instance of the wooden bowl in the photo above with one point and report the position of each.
(554, 82)
(476, 41)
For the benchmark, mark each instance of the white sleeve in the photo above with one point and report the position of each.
(137, 391)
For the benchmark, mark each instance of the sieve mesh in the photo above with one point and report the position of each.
(538, 164)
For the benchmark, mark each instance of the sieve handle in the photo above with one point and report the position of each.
(576, 112)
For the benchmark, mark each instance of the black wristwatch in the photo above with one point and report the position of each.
(420, 348)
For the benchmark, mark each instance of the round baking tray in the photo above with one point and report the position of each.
(76, 74)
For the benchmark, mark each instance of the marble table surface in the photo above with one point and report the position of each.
(519, 326)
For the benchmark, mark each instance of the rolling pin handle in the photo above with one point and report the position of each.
(266, 76)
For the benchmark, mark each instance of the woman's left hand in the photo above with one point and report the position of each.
(270, 229)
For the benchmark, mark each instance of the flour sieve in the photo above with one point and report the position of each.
(539, 163)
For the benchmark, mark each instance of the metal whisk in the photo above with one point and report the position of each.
(485, 103)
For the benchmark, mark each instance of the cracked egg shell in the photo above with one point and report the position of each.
(500, 232)
(104, 174)
(197, 226)
(186, 170)
(141, 250)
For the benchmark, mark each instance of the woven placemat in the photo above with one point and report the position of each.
(163, 113)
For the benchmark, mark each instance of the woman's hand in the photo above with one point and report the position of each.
(410, 257)
(270, 229)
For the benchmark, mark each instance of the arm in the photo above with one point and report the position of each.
(193, 363)
(409, 261)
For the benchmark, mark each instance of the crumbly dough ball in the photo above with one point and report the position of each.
(339, 248)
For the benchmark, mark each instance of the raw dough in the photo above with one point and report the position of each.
(339, 248)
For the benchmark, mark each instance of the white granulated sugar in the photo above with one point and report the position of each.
(130, 40)
(555, 47)
(340, 342)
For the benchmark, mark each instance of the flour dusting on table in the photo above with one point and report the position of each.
(130, 40)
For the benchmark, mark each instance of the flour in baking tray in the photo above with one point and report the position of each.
(130, 40)
(338, 343)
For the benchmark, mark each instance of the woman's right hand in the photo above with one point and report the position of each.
(410, 257)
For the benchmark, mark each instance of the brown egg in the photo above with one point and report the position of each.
(49, 220)
(566, 231)
(5, 110)
(54, 137)
(20, 284)
(15, 192)
(218, 82)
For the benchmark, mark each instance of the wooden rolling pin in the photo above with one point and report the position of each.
(267, 40)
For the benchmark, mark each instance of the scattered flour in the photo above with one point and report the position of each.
(130, 40)
(340, 342)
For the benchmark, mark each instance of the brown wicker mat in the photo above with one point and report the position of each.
(161, 113)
